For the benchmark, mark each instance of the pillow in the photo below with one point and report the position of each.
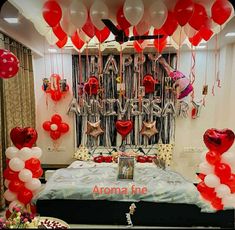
(82, 154)
(165, 152)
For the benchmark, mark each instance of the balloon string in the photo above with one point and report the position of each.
(62, 62)
(179, 50)
(87, 61)
(192, 71)
(51, 63)
(216, 54)
(57, 65)
(218, 70)
(120, 72)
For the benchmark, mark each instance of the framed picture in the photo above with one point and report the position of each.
(126, 168)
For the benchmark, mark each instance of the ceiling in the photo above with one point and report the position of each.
(29, 11)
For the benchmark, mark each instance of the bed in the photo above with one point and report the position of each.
(89, 193)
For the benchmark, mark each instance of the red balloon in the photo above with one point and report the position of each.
(32, 164)
(160, 46)
(217, 204)
(38, 173)
(33, 208)
(46, 125)
(149, 83)
(56, 95)
(121, 19)
(55, 134)
(170, 24)
(183, 11)
(77, 41)
(201, 176)
(56, 119)
(196, 39)
(52, 13)
(213, 157)
(231, 183)
(206, 192)
(103, 34)
(16, 185)
(124, 127)
(9, 174)
(62, 43)
(218, 140)
(137, 46)
(9, 64)
(223, 171)
(199, 16)
(135, 33)
(25, 196)
(205, 30)
(89, 28)
(92, 86)
(23, 137)
(160, 32)
(59, 33)
(221, 11)
(63, 128)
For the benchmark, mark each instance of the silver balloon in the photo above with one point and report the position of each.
(123, 110)
(183, 109)
(135, 107)
(127, 60)
(73, 107)
(111, 65)
(93, 64)
(138, 60)
(156, 110)
(169, 108)
(146, 106)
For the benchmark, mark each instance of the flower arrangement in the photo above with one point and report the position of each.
(19, 218)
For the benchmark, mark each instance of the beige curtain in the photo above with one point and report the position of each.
(17, 99)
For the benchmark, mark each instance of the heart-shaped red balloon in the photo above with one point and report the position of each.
(218, 140)
(103, 34)
(23, 137)
(124, 127)
(149, 83)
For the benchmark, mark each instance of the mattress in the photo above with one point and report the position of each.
(98, 181)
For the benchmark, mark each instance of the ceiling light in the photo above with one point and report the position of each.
(230, 34)
(12, 20)
(52, 50)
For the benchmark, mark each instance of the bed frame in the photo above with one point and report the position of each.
(146, 214)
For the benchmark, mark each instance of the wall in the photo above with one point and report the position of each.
(218, 112)
(46, 107)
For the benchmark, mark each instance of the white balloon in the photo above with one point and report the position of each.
(229, 201)
(33, 185)
(98, 11)
(25, 175)
(14, 204)
(179, 36)
(222, 190)
(36, 152)
(9, 195)
(16, 164)
(203, 155)
(83, 36)
(189, 30)
(228, 158)
(6, 183)
(206, 168)
(25, 153)
(170, 4)
(11, 152)
(133, 11)
(144, 25)
(78, 13)
(64, 3)
(51, 38)
(54, 127)
(66, 24)
(212, 181)
(158, 14)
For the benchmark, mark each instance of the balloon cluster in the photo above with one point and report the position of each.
(9, 64)
(197, 19)
(56, 87)
(23, 168)
(55, 126)
(217, 171)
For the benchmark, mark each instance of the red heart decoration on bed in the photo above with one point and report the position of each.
(219, 140)
(23, 137)
(124, 127)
